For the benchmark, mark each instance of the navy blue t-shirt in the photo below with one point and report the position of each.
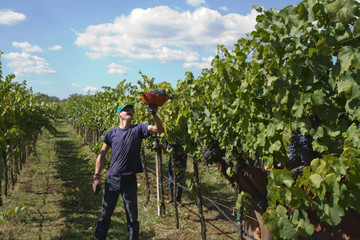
(125, 148)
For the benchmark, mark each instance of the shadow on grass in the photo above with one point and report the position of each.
(80, 207)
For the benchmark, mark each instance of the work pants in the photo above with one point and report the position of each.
(127, 187)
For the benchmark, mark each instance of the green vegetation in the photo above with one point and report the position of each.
(298, 71)
(23, 118)
(55, 186)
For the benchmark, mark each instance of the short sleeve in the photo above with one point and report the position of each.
(144, 130)
(106, 138)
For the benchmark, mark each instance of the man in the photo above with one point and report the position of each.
(125, 143)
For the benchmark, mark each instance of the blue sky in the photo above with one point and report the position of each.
(61, 47)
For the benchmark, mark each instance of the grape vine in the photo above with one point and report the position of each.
(23, 118)
(277, 103)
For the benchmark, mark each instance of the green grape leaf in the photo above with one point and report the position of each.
(318, 98)
(285, 177)
(278, 223)
(302, 224)
(316, 180)
(330, 213)
(357, 27)
(349, 57)
(275, 146)
(297, 110)
(349, 86)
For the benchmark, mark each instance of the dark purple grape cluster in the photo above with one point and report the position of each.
(161, 92)
(257, 163)
(212, 154)
(300, 147)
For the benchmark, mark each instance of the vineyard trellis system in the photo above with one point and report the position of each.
(283, 108)
(238, 225)
(23, 117)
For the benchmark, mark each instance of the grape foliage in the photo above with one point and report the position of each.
(255, 101)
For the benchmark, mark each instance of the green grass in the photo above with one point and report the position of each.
(57, 185)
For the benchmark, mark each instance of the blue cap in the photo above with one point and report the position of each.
(119, 109)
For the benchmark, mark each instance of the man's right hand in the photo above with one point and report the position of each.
(153, 109)
(96, 186)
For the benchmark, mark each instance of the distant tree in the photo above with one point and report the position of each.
(73, 95)
(47, 98)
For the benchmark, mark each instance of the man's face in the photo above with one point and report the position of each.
(126, 113)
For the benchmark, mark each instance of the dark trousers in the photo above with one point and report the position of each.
(127, 187)
(180, 166)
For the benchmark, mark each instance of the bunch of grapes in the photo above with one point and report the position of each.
(300, 147)
(161, 92)
(212, 154)
(257, 163)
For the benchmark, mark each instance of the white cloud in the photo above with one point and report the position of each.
(90, 89)
(25, 63)
(27, 47)
(93, 55)
(116, 69)
(76, 85)
(163, 34)
(224, 8)
(55, 48)
(195, 3)
(9, 17)
(204, 63)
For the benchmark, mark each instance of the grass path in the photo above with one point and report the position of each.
(57, 186)
(56, 183)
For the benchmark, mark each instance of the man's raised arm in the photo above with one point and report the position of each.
(158, 128)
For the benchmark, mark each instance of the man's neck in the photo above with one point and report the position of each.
(124, 124)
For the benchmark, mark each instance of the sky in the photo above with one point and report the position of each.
(63, 47)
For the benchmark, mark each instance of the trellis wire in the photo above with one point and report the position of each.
(213, 203)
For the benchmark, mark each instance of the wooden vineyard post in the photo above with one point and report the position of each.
(5, 172)
(147, 184)
(240, 210)
(199, 201)
(159, 179)
(173, 168)
(239, 213)
(11, 171)
(17, 162)
(1, 201)
(239, 219)
(22, 155)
